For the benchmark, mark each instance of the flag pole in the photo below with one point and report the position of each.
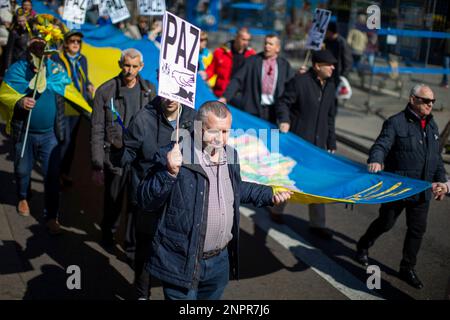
(306, 61)
(178, 122)
(29, 112)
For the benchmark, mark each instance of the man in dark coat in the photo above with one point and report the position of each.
(150, 129)
(116, 102)
(408, 145)
(196, 196)
(261, 80)
(308, 109)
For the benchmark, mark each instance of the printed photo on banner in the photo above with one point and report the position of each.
(116, 9)
(318, 29)
(75, 11)
(151, 7)
(178, 60)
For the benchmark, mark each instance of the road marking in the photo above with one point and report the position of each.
(325, 267)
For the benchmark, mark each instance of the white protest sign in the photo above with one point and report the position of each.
(75, 11)
(151, 7)
(318, 29)
(178, 60)
(116, 9)
(4, 4)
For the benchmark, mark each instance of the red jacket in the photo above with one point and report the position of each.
(222, 65)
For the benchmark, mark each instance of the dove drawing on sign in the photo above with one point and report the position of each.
(183, 79)
(185, 94)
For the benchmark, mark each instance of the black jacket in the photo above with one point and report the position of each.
(247, 80)
(310, 109)
(343, 54)
(407, 150)
(178, 243)
(149, 130)
(102, 120)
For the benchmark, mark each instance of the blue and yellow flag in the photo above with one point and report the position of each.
(18, 82)
(313, 174)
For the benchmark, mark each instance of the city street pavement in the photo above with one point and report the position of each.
(277, 261)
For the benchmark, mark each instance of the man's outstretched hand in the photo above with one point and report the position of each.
(281, 196)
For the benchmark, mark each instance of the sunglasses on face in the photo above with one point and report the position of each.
(426, 100)
(204, 39)
(74, 41)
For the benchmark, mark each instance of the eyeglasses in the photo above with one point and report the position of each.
(74, 41)
(425, 100)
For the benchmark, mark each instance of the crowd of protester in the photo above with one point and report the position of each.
(183, 222)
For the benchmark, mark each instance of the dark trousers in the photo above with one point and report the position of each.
(268, 113)
(145, 229)
(68, 145)
(115, 191)
(416, 221)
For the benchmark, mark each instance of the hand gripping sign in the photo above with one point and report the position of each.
(318, 29)
(178, 60)
(116, 9)
(75, 10)
(151, 7)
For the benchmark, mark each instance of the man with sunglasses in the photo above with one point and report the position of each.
(408, 145)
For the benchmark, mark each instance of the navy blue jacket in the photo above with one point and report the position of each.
(407, 150)
(179, 240)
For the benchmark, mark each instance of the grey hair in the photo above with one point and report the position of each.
(132, 53)
(415, 90)
(217, 108)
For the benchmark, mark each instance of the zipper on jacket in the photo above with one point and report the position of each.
(196, 277)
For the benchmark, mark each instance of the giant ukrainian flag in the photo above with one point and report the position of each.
(314, 175)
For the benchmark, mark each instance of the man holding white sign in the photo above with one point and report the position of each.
(196, 243)
(178, 60)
